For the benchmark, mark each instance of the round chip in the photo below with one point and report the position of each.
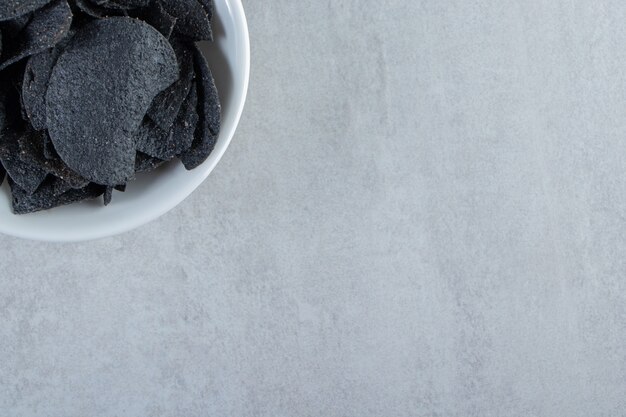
(99, 92)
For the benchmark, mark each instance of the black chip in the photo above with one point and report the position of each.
(47, 196)
(156, 15)
(35, 84)
(92, 124)
(207, 5)
(32, 151)
(192, 20)
(27, 175)
(150, 138)
(94, 91)
(108, 8)
(108, 195)
(166, 106)
(154, 141)
(95, 10)
(47, 27)
(209, 110)
(48, 149)
(58, 186)
(186, 124)
(10, 9)
(126, 4)
(102, 3)
(90, 9)
(12, 28)
(145, 163)
(36, 76)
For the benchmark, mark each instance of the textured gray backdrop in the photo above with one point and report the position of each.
(423, 213)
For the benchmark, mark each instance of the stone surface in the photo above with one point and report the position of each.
(428, 222)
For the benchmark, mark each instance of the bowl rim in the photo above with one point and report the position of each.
(236, 10)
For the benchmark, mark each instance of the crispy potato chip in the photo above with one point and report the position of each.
(48, 148)
(186, 123)
(150, 139)
(156, 15)
(92, 124)
(27, 175)
(12, 28)
(32, 151)
(209, 110)
(47, 27)
(207, 5)
(48, 196)
(192, 20)
(10, 9)
(94, 91)
(108, 195)
(157, 143)
(35, 84)
(94, 10)
(145, 163)
(126, 4)
(59, 186)
(166, 106)
(108, 8)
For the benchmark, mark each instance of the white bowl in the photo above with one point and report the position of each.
(153, 194)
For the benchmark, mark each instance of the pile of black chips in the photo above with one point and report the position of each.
(94, 91)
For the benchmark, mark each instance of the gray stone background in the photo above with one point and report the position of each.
(423, 213)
